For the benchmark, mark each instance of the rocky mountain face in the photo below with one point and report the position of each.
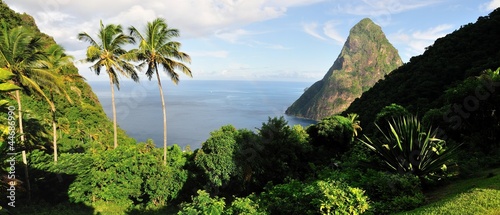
(367, 56)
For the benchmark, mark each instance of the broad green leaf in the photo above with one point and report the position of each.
(5, 74)
(7, 87)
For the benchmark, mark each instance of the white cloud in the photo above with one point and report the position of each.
(232, 35)
(381, 11)
(192, 18)
(381, 7)
(330, 31)
(311, 29)
(432, 33)
(415, 42)
(136, 15)
(492, 5)
(215, 54)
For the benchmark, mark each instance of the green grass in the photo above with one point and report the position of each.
(478, 195)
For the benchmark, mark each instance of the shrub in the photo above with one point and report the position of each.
(388, 192)
(216, 157)
(203, 204)
(334, 133)
(244, 206)
(318, 197)
(122, 178)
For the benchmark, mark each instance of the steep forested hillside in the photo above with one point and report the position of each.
(420, 84)
(81, 120)
(365, 58)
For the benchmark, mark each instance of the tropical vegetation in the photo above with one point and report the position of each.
(425, 152)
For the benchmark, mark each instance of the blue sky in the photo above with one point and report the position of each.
(286, 40)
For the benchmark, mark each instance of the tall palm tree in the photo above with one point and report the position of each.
(156, 49)
(56, 60)
(20, 52)
(107, 51)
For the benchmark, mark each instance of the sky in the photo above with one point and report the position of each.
(279, 40)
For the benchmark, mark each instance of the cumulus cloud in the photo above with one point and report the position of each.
(63, 18)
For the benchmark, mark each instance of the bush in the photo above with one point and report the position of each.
(216, 158)
(334, 133)
(318, 197)
(388, 192)
(244, 206)
(123, 178)
(203, 204)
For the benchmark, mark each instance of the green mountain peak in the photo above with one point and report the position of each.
(367, 56)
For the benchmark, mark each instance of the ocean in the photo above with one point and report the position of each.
(197, 107)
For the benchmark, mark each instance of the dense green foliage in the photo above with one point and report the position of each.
(203, 204)
(215, 158)
(317, 197)
(335, 134)
(365, 58)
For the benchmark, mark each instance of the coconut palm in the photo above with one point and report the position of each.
(20, 53)
(156, 49)
(107, 51)
(56, 60)
(353, 117)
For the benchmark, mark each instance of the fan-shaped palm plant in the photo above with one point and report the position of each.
(406, 147)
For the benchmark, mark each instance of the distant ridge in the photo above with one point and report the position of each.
(367, 56)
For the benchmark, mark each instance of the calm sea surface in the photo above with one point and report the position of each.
(195, 108)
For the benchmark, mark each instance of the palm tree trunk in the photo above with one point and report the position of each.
(115, 135)
(54, 133)
(54, 128)
(21, 131)
(164, 109)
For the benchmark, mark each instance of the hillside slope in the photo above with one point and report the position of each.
(420, 84)
(365, 58)
(80, 123)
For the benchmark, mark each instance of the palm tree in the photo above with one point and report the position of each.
(353, 117)
(20, 52)
(107, 51)
(156, 48)
(56, 60)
